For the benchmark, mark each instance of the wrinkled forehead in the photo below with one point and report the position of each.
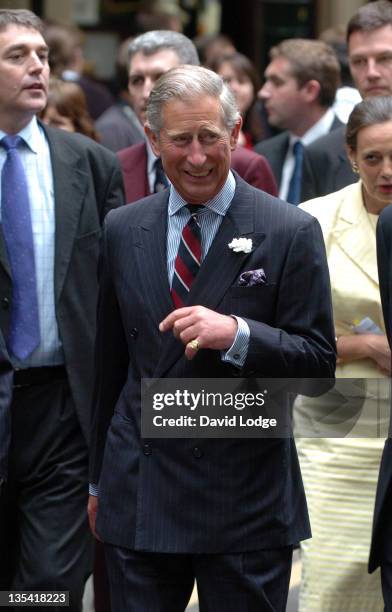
(17, 35)
(192, 110)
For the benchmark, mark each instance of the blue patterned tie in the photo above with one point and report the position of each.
(294, 194)
(24, 332)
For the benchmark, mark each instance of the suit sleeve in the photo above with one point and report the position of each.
(301, 344)
(111, 360)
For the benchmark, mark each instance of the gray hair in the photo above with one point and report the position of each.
(20, 17)
(371, 111)
(187, 83)
(158, 40)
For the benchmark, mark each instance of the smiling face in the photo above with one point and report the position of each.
(373, 157)
(370, 56)
(195, 147)
(24, 75)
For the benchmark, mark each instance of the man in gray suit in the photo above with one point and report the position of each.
(326, 167)
(300, 86)
(177, 301)
(149, 56)
(61, 186)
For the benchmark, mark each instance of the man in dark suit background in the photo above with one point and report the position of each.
(63, 185)
(299, 91)
(119, 127)
(150, 55)
(326, 167)
(381, 545)
(226, 512)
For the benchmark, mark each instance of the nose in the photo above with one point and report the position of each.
(387, 168)
(372, 69)
(36, 64)
(196, 155)
(147, 88)
(263, 92)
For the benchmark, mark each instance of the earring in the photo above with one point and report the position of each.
(354, 167)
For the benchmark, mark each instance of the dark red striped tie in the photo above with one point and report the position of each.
(188, 259)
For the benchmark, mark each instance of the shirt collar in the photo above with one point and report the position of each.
(320, 128)
(219, 203)
(30, 134)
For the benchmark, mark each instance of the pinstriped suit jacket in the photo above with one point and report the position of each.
(233, 495)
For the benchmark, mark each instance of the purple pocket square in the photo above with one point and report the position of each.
(252, 278)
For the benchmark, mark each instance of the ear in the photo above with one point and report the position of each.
(235, 132)
(311, 90)
(353, 157)
(351, 154)
(154, 139)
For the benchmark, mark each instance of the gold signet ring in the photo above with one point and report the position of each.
(194, 344)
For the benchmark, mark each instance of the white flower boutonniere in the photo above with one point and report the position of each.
(241, 245)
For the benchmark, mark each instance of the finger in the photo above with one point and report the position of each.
(174, 316)
(192, 348)
(189, 334)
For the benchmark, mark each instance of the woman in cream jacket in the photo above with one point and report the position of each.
(340, 436)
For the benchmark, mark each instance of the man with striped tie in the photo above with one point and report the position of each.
(209, 278)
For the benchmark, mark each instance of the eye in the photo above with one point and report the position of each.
(384, 59)
(180, 139)
(358, 62)
(208, 137)
(136, 81)
(371, 158)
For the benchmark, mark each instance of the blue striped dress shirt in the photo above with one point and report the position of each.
(209, 219)
(35, 156)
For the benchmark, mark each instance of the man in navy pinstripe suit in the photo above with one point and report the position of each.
(224, 512)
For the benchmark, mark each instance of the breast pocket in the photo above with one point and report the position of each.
(256, 302)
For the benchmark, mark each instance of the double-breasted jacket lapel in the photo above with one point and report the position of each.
(219, 269)
(150, 257)
(352, 212)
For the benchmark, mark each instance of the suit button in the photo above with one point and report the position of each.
(134, 333)
(197, 452)
(5, 303)
(147, 450)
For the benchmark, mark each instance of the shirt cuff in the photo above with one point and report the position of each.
(237, 353)
(93, 489)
